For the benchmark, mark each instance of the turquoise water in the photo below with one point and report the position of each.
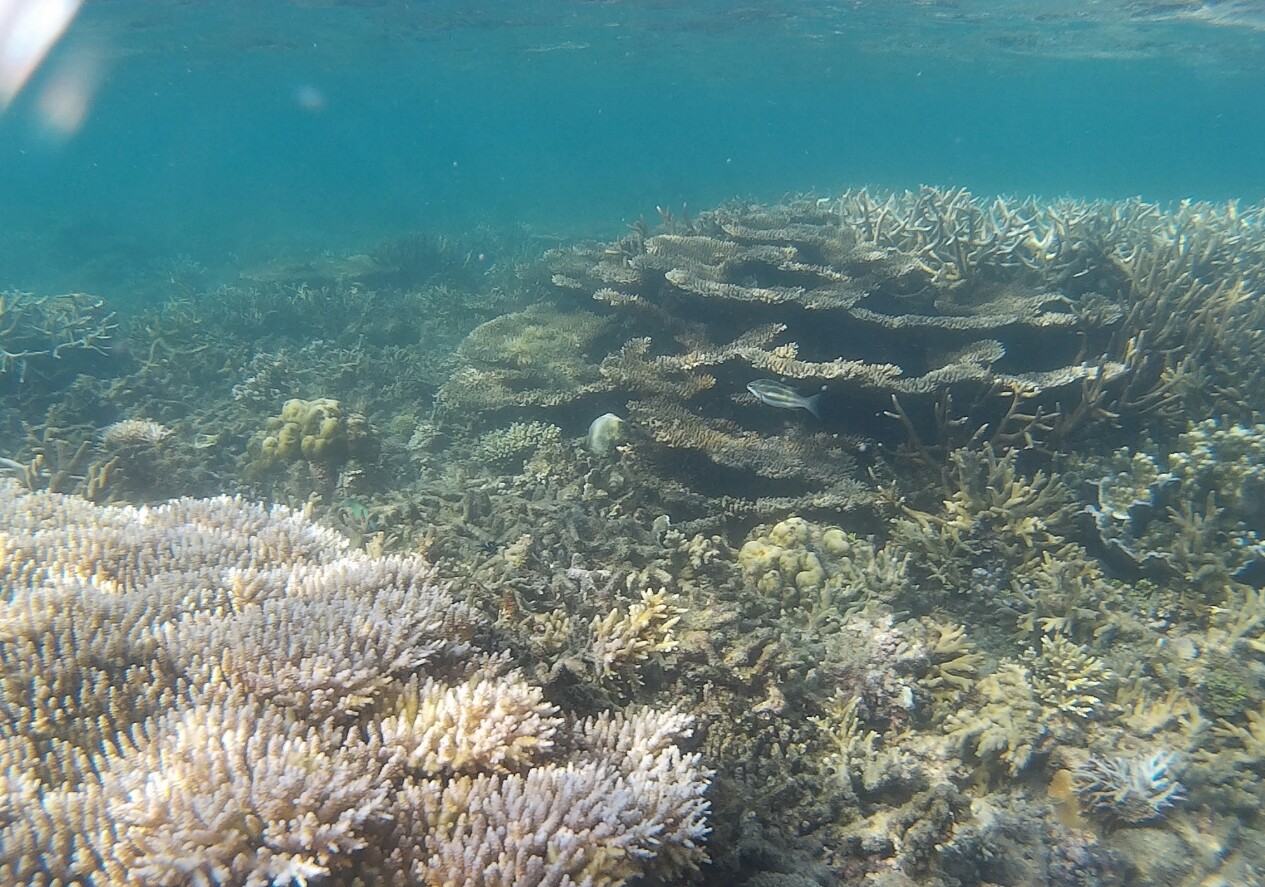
(227, 132)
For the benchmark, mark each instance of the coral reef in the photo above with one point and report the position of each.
(930, 318)
(211, 691)
(533, 357)
(941, 634)
(992, 517)
(1004, 727)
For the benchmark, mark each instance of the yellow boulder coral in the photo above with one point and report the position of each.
(312, 431)
(813, 565)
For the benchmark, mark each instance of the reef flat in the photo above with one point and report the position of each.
(993, 617)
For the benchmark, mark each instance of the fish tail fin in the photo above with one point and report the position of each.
(813, 405)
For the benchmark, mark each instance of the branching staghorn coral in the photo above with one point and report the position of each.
(1195, 513)
(987, 490)
(1066, 677)
(35, 333)
(215, 692)
(991, 510)
(621, 641)
(1202, 316)
(1003, 725)
(1062, 594)
(947, 234)
(867, 761)
(954, 662)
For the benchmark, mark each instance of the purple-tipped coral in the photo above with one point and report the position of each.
(1130, 790)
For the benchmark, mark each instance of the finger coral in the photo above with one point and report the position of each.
(213, 692)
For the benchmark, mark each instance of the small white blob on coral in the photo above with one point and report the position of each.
(606, 432)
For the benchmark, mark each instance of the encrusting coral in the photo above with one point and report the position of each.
(214, 692)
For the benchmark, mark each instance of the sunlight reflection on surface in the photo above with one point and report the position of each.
(28, 30)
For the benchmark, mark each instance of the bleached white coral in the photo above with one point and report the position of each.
(1129, 789)
(238, 793)
(311, 645)
(135, 434)
(211, 692)
(490, 723)
(629, 800)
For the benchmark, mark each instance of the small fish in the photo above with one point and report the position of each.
(775, 394)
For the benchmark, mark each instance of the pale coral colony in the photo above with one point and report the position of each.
(600, 616)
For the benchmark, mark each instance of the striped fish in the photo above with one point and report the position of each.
(775, 394)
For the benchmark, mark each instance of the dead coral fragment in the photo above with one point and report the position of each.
(131, 434)
(38, 333)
